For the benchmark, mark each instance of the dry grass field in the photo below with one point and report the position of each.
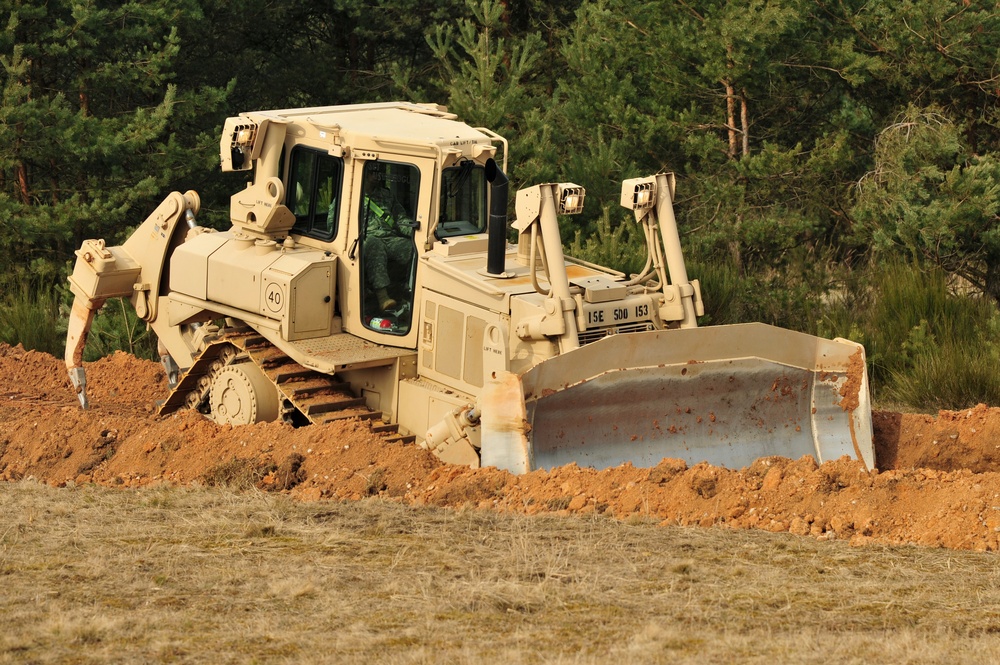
(214, 575)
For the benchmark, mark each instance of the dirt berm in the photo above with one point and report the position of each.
(937, 482)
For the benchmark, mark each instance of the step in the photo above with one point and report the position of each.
(329, 407)
(310, 386)
(352, 413)
(404, 439)
(294, 373)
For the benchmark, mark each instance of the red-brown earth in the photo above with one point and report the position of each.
(937, 481)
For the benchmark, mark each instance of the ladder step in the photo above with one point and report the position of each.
(270, 356)
(327, 407)
(292, 373)
(303, 389)
(276, 362)
(347, 415)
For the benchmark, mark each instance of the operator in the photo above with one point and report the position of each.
(388, 237)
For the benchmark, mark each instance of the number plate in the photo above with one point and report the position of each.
(620, 312)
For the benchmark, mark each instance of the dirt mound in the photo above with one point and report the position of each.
(938, 481)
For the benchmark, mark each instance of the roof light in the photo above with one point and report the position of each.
(244, 136)
(570, 198)
(638, 193)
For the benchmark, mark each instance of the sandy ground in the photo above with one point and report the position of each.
(937, 482)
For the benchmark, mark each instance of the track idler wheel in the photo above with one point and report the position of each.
(242, 395)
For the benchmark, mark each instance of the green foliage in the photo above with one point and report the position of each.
(36, 317)
(93, 128)
(620, 247)
(731, 296)
(29, 315)
(726, 96)
(929, 53)
(927, 346)
(932, 197)
(950, 376)
(117, 328)
(487, 76)
(766, 212)
(300, 54)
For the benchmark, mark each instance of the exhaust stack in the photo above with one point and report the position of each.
(496, 249)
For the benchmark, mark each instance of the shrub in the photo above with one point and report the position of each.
(37, 316)
(117, 328)
(618, 246)
(29, 315)
(928, 345)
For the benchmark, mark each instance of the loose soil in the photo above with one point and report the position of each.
(937, 482)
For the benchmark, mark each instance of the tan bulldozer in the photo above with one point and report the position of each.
(367, 274)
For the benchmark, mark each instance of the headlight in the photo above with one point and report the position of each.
(638, 193)
(570, 198)
(244, 135)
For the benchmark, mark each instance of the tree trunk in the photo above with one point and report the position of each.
(731, 119)
(734, 245)
(745, 122)
(22, 182)
(992, 286)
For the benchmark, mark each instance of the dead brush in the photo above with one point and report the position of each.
(375, 482)
(237, 474)
(92, 574)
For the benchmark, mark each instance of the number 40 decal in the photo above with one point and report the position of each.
(273, 298)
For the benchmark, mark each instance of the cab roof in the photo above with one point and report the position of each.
(383, 124)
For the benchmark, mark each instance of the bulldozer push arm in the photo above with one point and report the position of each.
(485, 353)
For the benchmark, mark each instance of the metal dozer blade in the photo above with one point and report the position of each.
(727, 395)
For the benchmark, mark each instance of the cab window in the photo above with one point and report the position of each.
(463, 201)
(314, 192)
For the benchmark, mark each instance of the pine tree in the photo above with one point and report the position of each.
(932, 198)
(94, 128)
(488, 77)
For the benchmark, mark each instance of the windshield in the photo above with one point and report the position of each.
(463, 201)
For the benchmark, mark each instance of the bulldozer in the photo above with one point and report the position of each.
(368, 273)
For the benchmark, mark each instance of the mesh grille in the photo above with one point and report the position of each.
(588, 336)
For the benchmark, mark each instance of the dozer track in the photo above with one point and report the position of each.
(306, 395)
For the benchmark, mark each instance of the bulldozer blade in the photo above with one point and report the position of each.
(727, 395)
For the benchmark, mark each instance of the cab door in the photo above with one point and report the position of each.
(391, 206)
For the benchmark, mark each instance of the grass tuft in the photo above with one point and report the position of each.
(376, 483)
